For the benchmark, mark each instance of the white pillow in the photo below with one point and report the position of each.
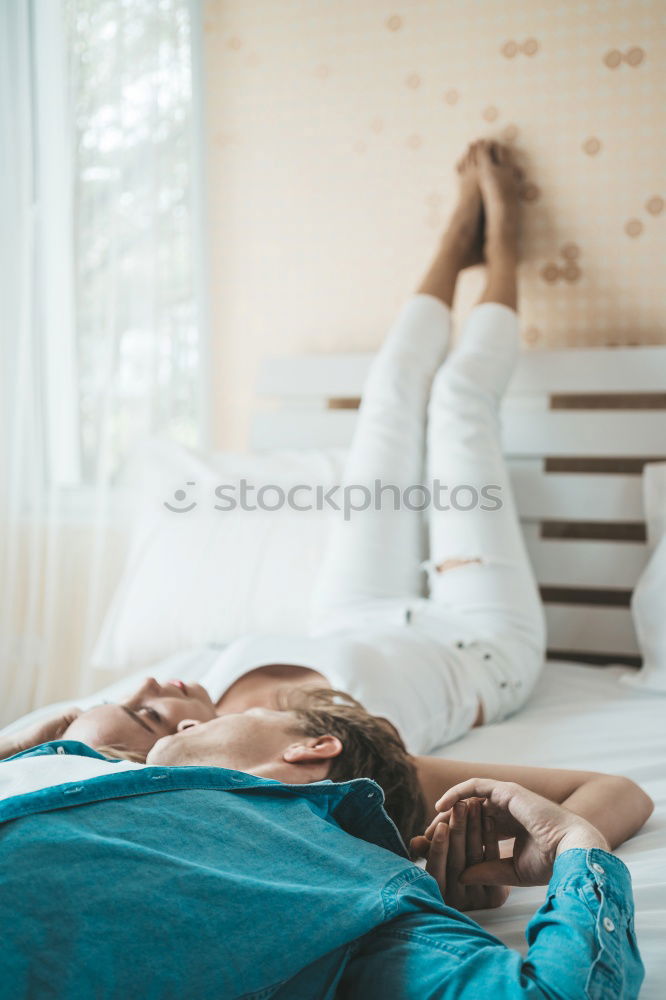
(204, 575)
(648, 601)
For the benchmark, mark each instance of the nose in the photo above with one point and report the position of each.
(187, 724)
(149, 686)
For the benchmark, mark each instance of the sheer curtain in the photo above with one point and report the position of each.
(100, 280)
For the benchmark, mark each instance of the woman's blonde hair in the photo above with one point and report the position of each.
(122, 753)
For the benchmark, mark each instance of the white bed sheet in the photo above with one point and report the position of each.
(578, 717)
(585, 717)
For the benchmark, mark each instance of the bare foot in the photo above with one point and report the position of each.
(498, 180)
(464, 235)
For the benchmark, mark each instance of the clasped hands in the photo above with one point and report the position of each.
(461, 844)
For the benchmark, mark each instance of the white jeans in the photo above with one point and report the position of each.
(424, 419)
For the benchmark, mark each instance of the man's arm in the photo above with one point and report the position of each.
(574, 954)
(582, 942)
(616, 806)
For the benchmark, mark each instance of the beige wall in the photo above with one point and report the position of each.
(332, 130)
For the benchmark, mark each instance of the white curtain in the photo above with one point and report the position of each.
(99, 289)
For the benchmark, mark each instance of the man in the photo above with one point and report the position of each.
(230, 865)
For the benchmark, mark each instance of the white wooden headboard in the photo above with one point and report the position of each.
(578, 425)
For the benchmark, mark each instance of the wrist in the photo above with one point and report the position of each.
(582, 837)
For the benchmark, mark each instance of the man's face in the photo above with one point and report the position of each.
(259, 741)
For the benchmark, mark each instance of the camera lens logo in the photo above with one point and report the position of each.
(180, 496)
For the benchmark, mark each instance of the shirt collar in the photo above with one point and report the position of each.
(356, 805)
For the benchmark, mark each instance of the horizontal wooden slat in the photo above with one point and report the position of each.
(553, 433)
(605, 466)
(591, 630)
(625, 370)
(610, 401)
(595, 659)
(327, 375)
(572, 497)
(606, 597)
(594, 531)
(584, 432)
(622, 370)
(587, 564)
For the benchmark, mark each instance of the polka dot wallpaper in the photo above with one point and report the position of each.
(333, 127)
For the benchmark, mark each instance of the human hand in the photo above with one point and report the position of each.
(38, 732)
(542, 829)
(454, 841)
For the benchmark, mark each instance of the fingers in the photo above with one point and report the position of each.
(474, 852)
(491, 851)
(511, 805)
(456, 861)
(482, 787)
(438, 856)
(442, 817)
(419, 847)
(491, 873)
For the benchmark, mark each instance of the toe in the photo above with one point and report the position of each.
(483, 152)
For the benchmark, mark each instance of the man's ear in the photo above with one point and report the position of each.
(315, 750)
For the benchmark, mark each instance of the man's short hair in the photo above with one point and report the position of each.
(371, 748)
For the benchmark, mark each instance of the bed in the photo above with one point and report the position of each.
(578, 428)
(580, 716)
(588, 717)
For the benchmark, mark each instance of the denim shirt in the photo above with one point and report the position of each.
(188, 882)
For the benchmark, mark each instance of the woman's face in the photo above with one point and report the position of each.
(155, 710)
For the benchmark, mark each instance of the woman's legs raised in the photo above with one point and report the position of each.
(377, 553)
(480, 570)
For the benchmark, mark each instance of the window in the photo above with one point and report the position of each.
(119, 185)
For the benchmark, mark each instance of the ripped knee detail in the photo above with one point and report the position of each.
(448, 564)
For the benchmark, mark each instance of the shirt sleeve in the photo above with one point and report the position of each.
(588, 917)
(582, 945)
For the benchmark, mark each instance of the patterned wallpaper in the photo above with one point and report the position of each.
(333, 127)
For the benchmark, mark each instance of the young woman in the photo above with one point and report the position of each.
(470, 652)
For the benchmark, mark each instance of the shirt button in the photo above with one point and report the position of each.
(608, 924)
(599, 869)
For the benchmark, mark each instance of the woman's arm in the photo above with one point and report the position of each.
(614, 805)
(38, 732)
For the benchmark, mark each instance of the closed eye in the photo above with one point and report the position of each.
(151, 713)
(137, 718)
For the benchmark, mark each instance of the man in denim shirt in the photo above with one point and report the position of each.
(120, 880)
